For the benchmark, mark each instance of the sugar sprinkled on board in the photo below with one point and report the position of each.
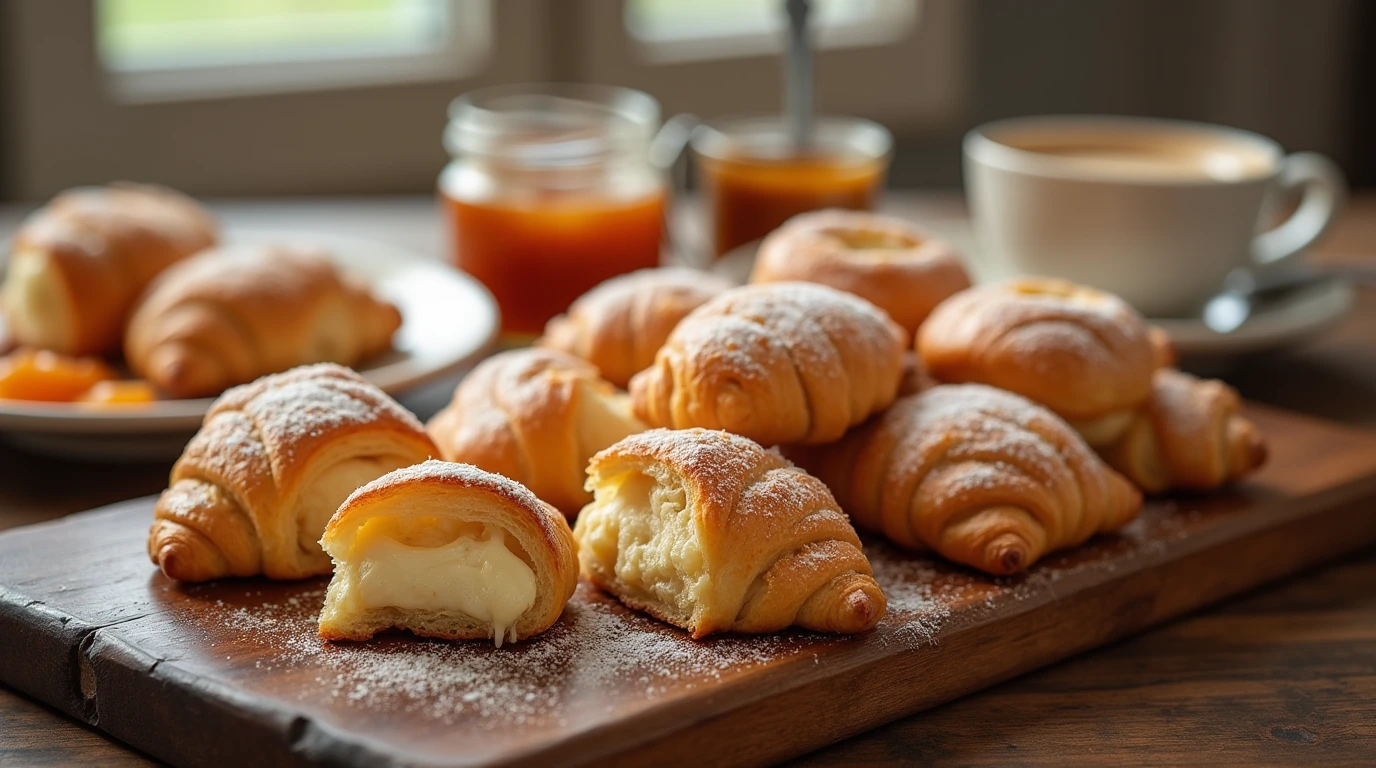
(597, 644)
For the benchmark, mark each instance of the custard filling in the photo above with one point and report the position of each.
(330, 488)
(477, 575)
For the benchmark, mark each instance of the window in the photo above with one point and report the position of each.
(170, 49)
(682, 30)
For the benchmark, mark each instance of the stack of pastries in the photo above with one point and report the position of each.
(137, 270)
(721, 489)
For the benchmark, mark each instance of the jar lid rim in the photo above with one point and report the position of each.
(551, 123)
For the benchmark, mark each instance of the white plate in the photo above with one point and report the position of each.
(1277, 324)
(448, 320)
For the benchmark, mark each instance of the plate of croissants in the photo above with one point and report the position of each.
(127, 310)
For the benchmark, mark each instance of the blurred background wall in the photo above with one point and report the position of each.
(249, 97)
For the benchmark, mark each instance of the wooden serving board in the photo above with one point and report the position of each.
(232, 673)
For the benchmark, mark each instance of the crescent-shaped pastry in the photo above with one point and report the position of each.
(447, 550)
(777, 363)
(536, 416)
(254, 488)
(710, 532)
(1188, 436)
(981, 476)
(620, 325)
(80, 262)
(1083, 353)
(232, 314)
(896, 266)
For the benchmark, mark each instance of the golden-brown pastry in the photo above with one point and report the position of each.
(896, 266)
(620, 325)
(447, 550)
(1083, 353)
(536, 416)
(233, 314)
(981, 476)
(778, 363)
(1189, 435)
(80, 262)
(708, 531)
(254, 488)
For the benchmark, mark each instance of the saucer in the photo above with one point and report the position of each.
(1299, 316)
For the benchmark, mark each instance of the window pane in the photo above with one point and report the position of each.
(709, 23)
(157, 34)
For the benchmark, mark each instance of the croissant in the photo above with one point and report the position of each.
(887, 261)
(254, 488)
(620, 325)
(778, 363)
(536, 416)
(1188, 436)
(1083, 353)
(982, 476)
(80, 262)
(710, 532)
(233, 314)
(446, 550)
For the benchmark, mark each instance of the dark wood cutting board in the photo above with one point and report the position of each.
(232, 673)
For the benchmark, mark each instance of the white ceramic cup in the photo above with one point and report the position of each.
(1156, 211)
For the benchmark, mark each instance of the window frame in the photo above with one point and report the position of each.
(64, 128)
(465, 45)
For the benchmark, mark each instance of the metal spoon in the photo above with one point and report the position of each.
(1244, 293)
(798, 76)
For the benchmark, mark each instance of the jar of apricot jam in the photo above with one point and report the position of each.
(551, 191)
(753, 178)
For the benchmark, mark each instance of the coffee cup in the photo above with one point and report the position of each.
(1156, 211)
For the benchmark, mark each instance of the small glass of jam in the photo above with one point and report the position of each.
(550, 191)
(754, 178)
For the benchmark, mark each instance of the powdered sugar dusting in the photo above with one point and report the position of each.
(596, 644)
(604, 656)
(462, 474)
(720, 463)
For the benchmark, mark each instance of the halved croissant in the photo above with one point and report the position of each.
(233, 314)
(254, 488)
(1189, 435)
(777, 363)
(447, 550)
(708, 531)
(620, 325)
(536, 416)
(80, 262)
(983, 477)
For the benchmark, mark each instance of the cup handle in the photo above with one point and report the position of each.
(1324, 194)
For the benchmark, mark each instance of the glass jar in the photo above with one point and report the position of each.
(550, 191)
(754, 178)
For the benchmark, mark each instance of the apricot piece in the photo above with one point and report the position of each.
(47, 376)
(125, 392)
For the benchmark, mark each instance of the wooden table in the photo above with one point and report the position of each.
(1285, 675)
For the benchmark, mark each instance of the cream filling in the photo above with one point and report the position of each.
(478, 577)
(329, 490)
(35, 303)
